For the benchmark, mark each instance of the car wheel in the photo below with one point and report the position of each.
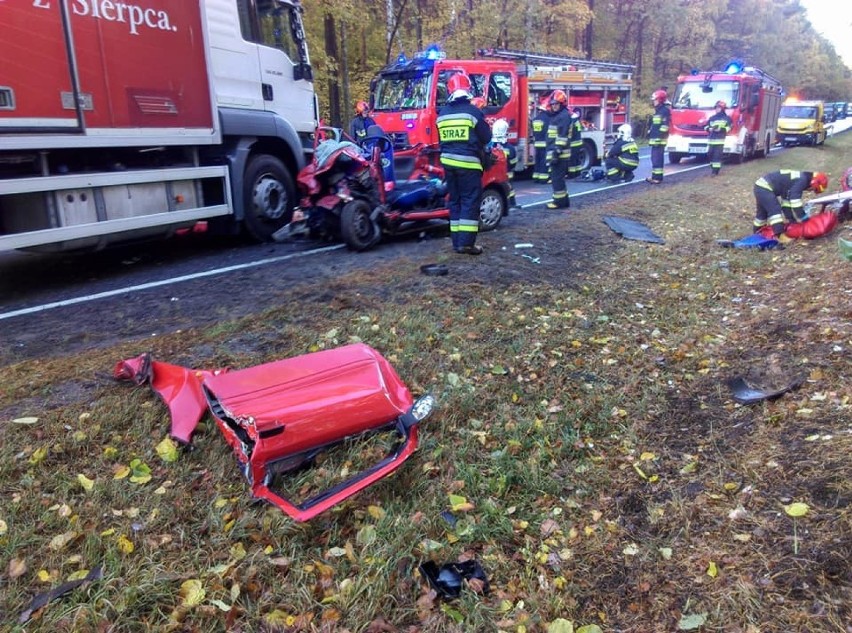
(269, 197)
(357, 228)
(492, 208)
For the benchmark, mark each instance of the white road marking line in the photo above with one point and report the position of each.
(165, 282)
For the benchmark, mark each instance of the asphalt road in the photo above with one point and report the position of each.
(34, 284)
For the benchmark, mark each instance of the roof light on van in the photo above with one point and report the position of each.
(432, 52)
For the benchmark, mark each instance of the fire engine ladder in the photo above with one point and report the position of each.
(529, 57)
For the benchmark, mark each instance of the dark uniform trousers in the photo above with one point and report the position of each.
(465, 190)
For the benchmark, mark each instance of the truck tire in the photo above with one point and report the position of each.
(588, 156)
(269, 197)
(492, 208)
(675, 157)
(358, 230)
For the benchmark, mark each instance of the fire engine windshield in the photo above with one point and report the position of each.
(703, 96)
(402, 91)
(798, 112)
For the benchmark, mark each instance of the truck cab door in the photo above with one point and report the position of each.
(285, 71)
(502, 100)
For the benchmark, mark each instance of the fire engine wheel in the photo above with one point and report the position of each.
(269, 197)
(358, 230)
(492, 208)
(675, 157)
(588, 155)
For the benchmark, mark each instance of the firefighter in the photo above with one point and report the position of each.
(359, 125)
(622, 159)
(718, 127)
(500, 134)
(558, 152)
(463, 135)
(541, 170)
(575, 144)
(778, 195)
(658, 134)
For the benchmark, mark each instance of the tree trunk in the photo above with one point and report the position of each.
(333, 57)
(344, 66)
(590, 31)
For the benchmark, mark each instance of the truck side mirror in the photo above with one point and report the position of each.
(303, 71)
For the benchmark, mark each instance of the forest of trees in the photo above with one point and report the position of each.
(351, 40)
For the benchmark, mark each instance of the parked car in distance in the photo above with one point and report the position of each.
(840, 109)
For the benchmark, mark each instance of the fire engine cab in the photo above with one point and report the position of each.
(753, 99)
(406, 95)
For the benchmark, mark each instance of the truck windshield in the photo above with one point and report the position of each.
(402, 91)
(703, 96)
(798, 112)
(280, 26)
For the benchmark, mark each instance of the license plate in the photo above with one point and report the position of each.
(697, 149)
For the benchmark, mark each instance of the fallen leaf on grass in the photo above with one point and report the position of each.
(692, 621)
(87, 483)
(191, 593)
(167, 450)
(712, 570)
(17, 567)
(797, 509)
(560, 625)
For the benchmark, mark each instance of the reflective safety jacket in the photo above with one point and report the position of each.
(659, 130)
(718, 126)
(576, 138)
(539, 128)
(463, 135)
(358, 127)
(627, 152)
(558, 133)
(789, 185)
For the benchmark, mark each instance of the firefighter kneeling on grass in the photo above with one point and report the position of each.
(773, 217)
(463, 135)
(558, 151)
(622, 159)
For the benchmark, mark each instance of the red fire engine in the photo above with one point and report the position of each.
(753, 99)
(406, 95)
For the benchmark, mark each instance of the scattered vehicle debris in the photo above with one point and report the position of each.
(631, 229)
(448, 580)
(277, 417)
(746, 393)
(43, 599)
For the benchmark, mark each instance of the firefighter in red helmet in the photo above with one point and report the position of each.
(558, 150)
(658, 134)
(463, 135)
(778, 195)
(359, 125)
(541, 170)
(717, 127)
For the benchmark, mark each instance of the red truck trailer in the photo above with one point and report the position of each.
(127, 120)
(406, 95)
(753, 99)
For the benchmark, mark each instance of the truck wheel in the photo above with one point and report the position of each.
(492, 207)
(767, 146)
(675, 157)
(588, 156)
(269, 197)
(357, 228)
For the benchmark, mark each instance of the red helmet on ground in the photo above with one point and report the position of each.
(458, 86)
(819, 182)
(479, 102)
(721, 104)
(558, 96)
(659, 96)
(361, 107)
